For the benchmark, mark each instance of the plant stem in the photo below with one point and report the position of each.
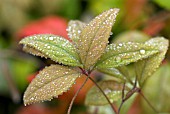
(72, 101)
(123, 94)
(147, 101)
(114, 109)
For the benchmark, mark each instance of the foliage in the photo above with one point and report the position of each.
(157, 88)
(89, 51)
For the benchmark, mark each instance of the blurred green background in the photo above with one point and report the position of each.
(138, 20)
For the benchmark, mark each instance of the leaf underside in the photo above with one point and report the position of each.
(146, 67)
(54, 47)
(50, 82)
(124, 53)
(113, 72)
(111, 88)
(94, 37)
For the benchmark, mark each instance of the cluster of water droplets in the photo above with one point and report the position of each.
(54, 47)
(49, 83)
(125, 53)
(154, 61)
(74, 29)
(94, 37)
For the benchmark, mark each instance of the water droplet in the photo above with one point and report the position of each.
(142, 51)
(107, 90)
(50, 38)
(118, 59)
(79, 31)
(111, 33)
(120, 44)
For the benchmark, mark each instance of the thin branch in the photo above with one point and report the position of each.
(148, 102)
(123, 93)
(72, 101)
(120, 106)
(114, 109)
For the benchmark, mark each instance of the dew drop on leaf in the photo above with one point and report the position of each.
(50, 38)
(118, 59)
(142, 51)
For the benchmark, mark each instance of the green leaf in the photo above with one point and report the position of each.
(163, 3)
(111, 88)
(113, 72)
(50, 82)
(94, 37)
(146, 67)
(156, 89)
(124, 53)
(54, 47)
(74, 29)
(131, 36)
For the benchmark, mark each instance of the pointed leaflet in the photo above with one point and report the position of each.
(146, 67)
(74, 29)
(54, 47)
(50, 82)
(124, 53)
(111, 88)
(94, 37)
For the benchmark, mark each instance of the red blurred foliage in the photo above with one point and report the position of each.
(133, 12)
(153, 28)
(31, 77)
(135, 108)
(51, 25)
(33, 109)
(81, 96)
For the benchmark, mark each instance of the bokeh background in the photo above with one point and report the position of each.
(138, 20)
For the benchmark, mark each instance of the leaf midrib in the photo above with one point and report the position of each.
(93, 39)
(71, 55)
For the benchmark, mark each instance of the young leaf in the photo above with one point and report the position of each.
(112, 89)
(124, 53)
(146, 67)
(54, 47)
(74, 29)
(94, 37)
(50, 82)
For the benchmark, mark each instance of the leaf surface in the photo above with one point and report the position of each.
(54, 47)
(113, 72)
(124, 53)
(50, 82)
(146, 67)
(74, 30)
(111, 88)
(94, 37)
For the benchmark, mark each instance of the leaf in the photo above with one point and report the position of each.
(54, 47)
(113, 72)
(131, 36)
(124, 53)
(146, 67)
(94, 37)
(74, 29)
(156, 89)
(111, 88)
(50, 82)
(163, 3)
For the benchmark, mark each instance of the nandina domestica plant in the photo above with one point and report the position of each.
(90, 51)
